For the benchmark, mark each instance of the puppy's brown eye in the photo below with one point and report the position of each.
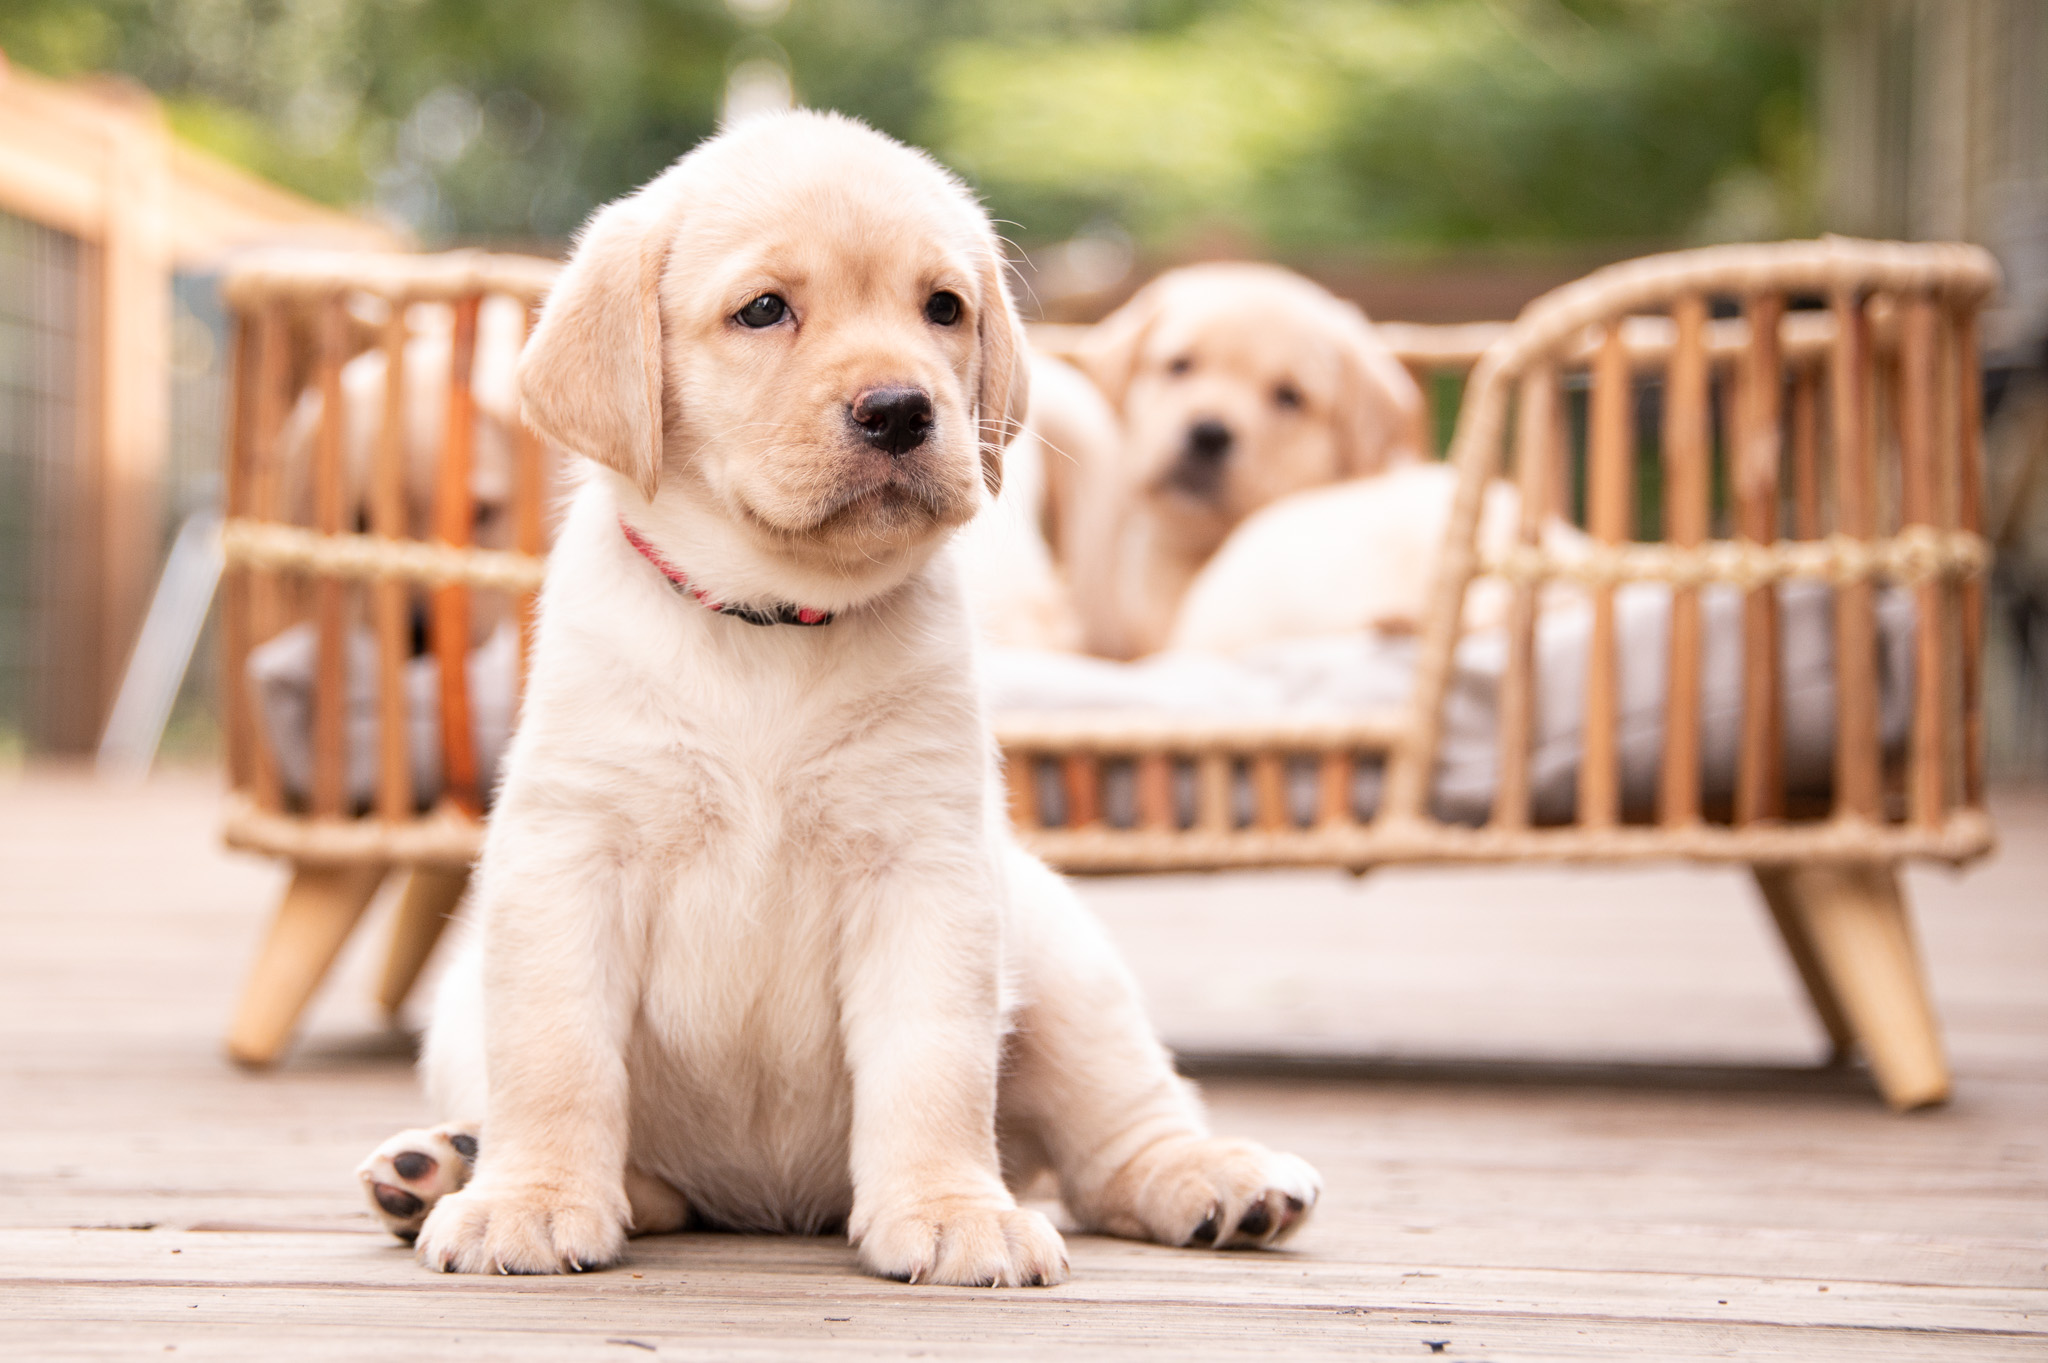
(942, 308)
(764, 311)
(1288, 396)
(1181, 365)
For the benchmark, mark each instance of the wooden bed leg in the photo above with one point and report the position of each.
(431, 894)
(1776, 882)
(1848, 932)
(319, 909)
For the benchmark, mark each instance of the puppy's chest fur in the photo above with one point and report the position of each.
(754, 792)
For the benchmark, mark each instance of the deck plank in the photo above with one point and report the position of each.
(1565, 1114)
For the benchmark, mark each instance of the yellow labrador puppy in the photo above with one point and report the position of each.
(753, 946)
(1238, 384)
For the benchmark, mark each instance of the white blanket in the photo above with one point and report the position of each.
(1321, 677)
(1345, 674)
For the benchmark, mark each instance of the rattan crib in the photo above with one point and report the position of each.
(1842, 377)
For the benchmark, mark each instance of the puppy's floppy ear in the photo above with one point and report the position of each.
(1379, 409)
(1108, 354)
(591, 374)
(1004, 390)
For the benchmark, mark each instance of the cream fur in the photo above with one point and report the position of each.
(753, 945)
(1018, 594)
(1307, 391)
(1357, 555)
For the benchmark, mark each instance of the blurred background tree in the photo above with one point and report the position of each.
(1286, 126)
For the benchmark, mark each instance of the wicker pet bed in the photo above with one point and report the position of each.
(1820, 423)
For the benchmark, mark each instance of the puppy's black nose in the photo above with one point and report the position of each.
(1209, 439)
(894, 419)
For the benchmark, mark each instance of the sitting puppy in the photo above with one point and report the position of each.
(753, 946)
(1237, 385)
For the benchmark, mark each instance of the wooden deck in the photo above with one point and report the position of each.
(1559, 1114)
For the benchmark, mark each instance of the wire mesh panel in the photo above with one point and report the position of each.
(48, 666)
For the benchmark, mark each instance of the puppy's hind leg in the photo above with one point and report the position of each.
(1085, 1076)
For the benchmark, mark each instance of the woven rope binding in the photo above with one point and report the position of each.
(294, 549)
(1917, 554)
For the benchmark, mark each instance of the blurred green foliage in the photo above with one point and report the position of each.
(1296, 125)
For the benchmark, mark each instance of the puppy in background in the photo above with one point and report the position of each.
(1236, 384)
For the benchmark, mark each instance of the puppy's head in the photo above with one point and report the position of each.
(799, 333)
(1241, 383)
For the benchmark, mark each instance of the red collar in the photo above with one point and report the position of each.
(783, 613)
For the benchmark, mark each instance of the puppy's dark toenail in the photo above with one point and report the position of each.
(1294, 1204)
(396, 1201)
(413, 1165)
(1256, 1221)
(1206, 1232)
(464, 1143)
(406, 1236)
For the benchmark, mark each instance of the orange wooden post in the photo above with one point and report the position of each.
(454, 518)
(1926, 789)
(395, 795)
(1333, 790)
(1608, 507)
(1806, 521)
(1269, 792)
(1858, 772)
(1970, 516)
(1535, 434)
(329, 795)
(1155, 791)
(1759, 767)
(1082, 773)
(238, 704)
(264, 493)
(1685, 527)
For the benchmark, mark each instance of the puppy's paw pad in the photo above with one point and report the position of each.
(522, 1229)
(958, 1242)
(1226, 1194)
(409, 1174)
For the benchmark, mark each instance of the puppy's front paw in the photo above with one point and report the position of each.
(964, 1242)
(522, 1228)
(407, 1175)
(1207, 1191)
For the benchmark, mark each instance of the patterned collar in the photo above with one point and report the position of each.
(783, 613)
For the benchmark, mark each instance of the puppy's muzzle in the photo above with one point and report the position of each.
(1200, 466)
(894, 420)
